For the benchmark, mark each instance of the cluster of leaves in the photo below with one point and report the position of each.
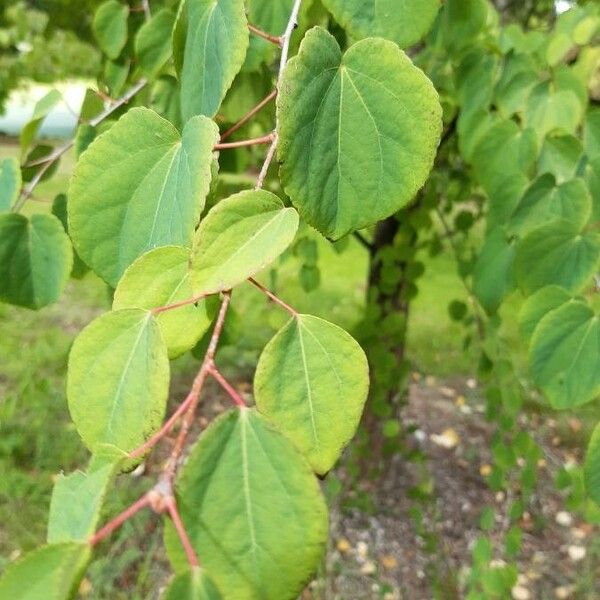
(356, 131)
(524, 157)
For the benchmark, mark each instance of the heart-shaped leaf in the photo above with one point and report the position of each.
(36, 258)
(358, 132)
(153, 45)
(312, 381)
(110, 27)
(137, 187)
(538, 305)
(77, 500)
(545, 202)
(564, 355)
(402, 21)
(51, 572)
(209, 44)
(557, 253)
(160, 278)
(252, 509)
(118, 380)
(238, 238)
(192, 585)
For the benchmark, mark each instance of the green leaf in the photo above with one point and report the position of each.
(76, 502)
(160, 278)
(402, 21)
(591, 133)
(357, 132)
(312, 381)
(563, 355)
(557, 253)
(192, 585)
(461, 21)
(137, 187)
(252, 508)
(537, 306)
(91, 106)
(545, 202)
(592, 466)
(592, 178)
(118, 380)
(110, 27)
(493, 277)
(560, 155)
(559, 46)
(238, 238)
(40, 112)
(35, 259)
(153, 45)
(504, 153)
(548, 110)
(51, 572)
(59, 210)
(10, 183)
(209, 44)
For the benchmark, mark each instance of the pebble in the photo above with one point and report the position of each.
(447, 439)
(430, 381)
(447, 392)
(362, 549)
(343, 545)
(564, 518)
(576, 553)
(520, 593)
(368, 568)
(564, 592)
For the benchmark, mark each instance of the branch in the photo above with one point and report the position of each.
(49, 160)
(171, 465)
(285, 50)
(166, 428)
(119, 520)
(161, 309)
(146, 7)
(249, 115)
(226, 386)
(268, 160)
(364, 241)
(287, 37)
(265, 139)
(171, 505)
(266, 36)
(273, 297)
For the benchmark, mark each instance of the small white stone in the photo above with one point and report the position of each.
(368, 568)
(520, 593)
(564, 592)
(576, 553)
(362, 549)
(420, 435)
(564, 518)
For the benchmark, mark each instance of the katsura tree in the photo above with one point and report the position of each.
(176, 200)
(355, 133)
